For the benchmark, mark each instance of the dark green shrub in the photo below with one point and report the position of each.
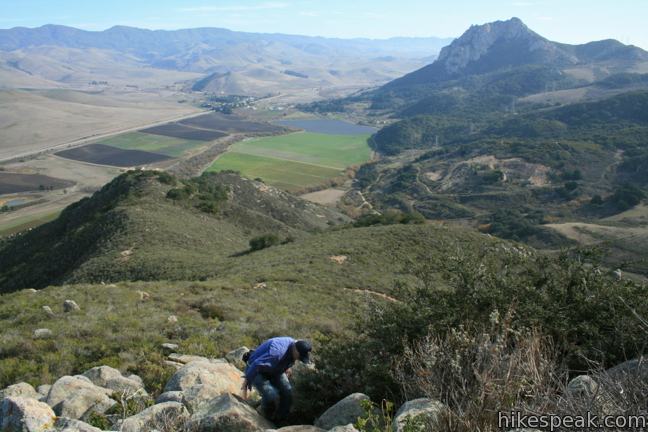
(99, 421)
(571, 186)
(264, 241)
(583, 313)
(178, 194)
(596, 200)
(166, 178)
(626, 196)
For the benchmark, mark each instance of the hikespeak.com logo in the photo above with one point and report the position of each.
(587, 422)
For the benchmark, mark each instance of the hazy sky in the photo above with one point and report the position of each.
(571, 21)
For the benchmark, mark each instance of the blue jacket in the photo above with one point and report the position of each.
(273, 357)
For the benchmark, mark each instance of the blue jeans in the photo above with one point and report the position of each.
(276, 395)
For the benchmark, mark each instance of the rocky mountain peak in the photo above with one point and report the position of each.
(479, 40)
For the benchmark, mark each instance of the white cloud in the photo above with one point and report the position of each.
(236, 8)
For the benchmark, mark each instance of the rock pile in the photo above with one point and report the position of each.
(200, 397)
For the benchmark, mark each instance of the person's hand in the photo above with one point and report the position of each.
(244, 389)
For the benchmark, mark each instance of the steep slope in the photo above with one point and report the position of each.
(294, 289)
(131, 230)
(509, 44)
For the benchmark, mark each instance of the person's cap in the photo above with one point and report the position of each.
(304, 348)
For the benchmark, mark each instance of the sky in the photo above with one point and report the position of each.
(569, 21)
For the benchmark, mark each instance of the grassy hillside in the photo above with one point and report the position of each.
(316, 284)
(135, 229)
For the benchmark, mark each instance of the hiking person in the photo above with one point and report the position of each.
(267, 368)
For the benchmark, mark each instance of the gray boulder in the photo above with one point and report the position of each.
(300, 428)
(70, 306)
(582, 386)
(25, 415)
(43, 391)
(236, 356)
(344, 412)
(137, 379)
(170, 347)
(186, 358)
(633, 369)
(48, 311)
(171, 396)
(345, 428)
(203, 381)
(43, 333)
(22, 390)
(76, 397)
(110, 378)
(64, 424)
(426, 412)
(164, 416)
(228, 413)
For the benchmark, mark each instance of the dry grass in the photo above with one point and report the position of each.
(480, 374)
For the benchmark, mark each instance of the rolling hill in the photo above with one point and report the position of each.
(253, 63)
(131, 230)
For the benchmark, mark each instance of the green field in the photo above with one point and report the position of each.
(168, 146)
(297, 160)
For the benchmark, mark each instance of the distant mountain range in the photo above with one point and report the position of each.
(235, 59)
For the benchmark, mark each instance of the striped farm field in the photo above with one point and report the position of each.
(164, 145)
(295, 161)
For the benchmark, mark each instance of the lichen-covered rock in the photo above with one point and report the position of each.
(164, 416)
(228, 413)
(171, 396)
(22, 389)
(346, 411)
(203, 381)
(425, 411)
(25, 415)
(110, 378)
(76, 397)
(64, 424)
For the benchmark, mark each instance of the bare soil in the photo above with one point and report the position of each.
(177, 130)
(16, 182)
(107, 155)
(325, 197)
